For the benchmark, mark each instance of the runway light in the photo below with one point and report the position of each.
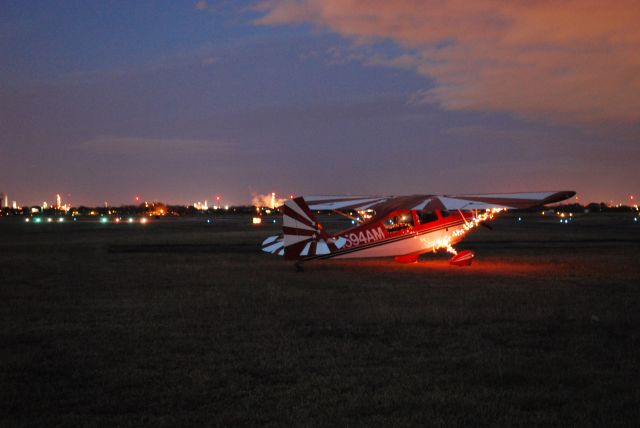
(37, 220)
(635, 219)
(274, 220)
(49, 220)
(257, 220)
(118, 220)
(519, 218)
(103, 219)
(75, 219)
(143, 220)
(208, 221)
(61, 219)
(130, 220)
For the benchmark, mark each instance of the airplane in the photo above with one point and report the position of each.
(402, 227)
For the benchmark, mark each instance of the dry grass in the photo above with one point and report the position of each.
(541, 330)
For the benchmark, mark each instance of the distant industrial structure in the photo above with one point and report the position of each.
(4, 200)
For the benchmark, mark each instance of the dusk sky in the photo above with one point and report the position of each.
(179, 101)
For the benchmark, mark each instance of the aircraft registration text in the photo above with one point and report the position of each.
(363, 237)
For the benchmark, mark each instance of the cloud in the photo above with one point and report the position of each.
(574, 61)
(154, 147)
(210, 60)
(201, 5)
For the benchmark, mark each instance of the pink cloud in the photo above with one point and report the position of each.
(574, 60)
(201, 5)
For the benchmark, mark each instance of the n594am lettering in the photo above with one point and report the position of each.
(363, 237)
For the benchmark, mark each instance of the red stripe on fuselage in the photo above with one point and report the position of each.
(427, 228)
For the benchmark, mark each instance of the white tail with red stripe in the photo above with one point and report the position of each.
(303, 235)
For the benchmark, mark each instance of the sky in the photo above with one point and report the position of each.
(182, 101)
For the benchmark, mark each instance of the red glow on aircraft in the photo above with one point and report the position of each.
(402, 227)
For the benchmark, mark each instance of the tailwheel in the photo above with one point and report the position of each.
(463, 258)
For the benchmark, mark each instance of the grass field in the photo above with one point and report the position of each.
(183, 323)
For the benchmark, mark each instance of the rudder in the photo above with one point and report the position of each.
(303, 235)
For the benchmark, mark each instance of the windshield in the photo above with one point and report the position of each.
(398, 222)
(426, 216)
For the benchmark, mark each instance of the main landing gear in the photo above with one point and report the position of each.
(463, 258)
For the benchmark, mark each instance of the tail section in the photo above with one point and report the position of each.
(303, 235)
(273, 245)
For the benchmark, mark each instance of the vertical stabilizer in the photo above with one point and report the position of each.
(303, 235)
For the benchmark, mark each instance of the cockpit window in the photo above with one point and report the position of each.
(426, 216)
(399, 222)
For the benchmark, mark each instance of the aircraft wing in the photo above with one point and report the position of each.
(385, 204)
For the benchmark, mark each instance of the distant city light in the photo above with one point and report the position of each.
(257, 220)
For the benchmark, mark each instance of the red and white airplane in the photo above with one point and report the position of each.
(403, 227)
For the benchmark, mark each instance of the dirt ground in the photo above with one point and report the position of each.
(187, 323)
